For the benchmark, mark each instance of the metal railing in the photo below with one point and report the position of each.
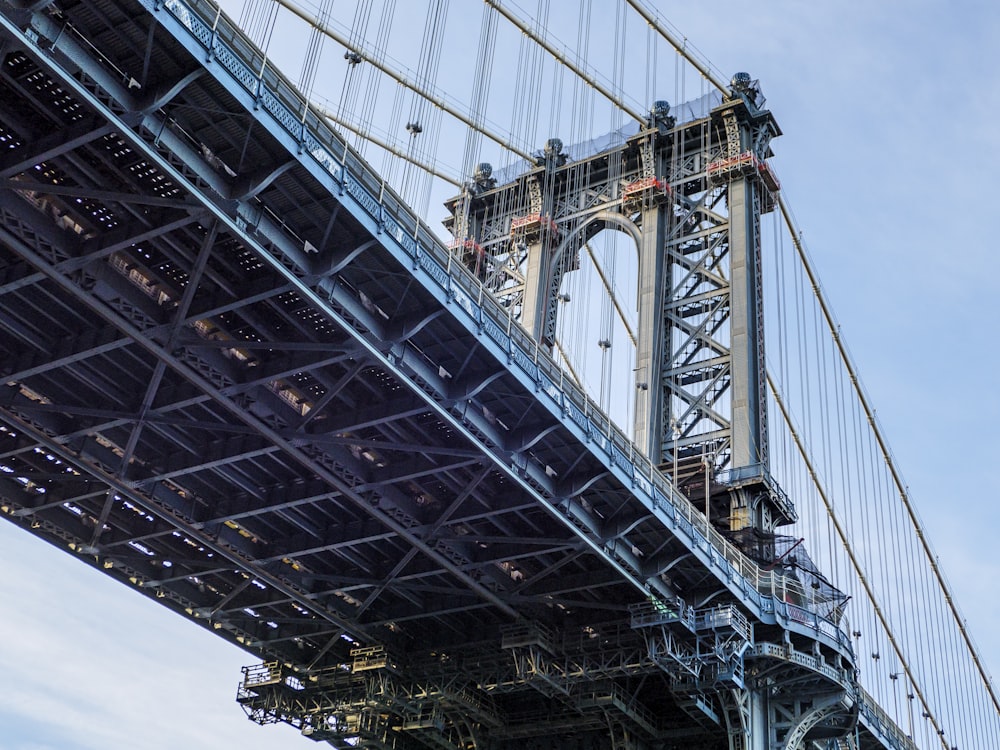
(881, 724)
(758, 473)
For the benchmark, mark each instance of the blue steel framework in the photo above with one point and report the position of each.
(242, 378)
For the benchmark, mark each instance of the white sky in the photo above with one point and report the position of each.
(889, 159)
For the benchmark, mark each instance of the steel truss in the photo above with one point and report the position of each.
(235, 383)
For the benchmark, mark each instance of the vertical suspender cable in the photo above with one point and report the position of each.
(804, 454)
(682, 47)
(483, 75)
(402, 79)
(886, 455)
(561, 57)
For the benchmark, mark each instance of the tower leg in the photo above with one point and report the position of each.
(536, 286)
(736, 705)
(649, 349)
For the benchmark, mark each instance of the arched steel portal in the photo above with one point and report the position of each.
(597, 313)
(691, 196)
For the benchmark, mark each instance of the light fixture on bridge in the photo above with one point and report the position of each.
(741, 81)
(483, 176)
(659, 116)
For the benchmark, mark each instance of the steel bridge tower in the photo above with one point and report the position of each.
(691, 198)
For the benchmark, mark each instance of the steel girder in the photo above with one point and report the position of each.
(222, 392)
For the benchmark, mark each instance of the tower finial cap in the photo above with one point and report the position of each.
(741, 81)
(482, 172)
(661, 108)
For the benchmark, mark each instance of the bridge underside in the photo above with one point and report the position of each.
(220, 390)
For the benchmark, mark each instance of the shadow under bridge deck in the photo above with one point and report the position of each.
(241, 377)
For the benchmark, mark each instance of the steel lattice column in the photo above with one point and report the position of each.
(714, 420)
(749, 433)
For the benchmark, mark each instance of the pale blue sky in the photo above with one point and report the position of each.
(889, 159)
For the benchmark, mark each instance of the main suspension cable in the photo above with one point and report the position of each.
(386, 146)
(562, 58)
(862, 578)
(402, 79)
(884, 448)
(683, 48)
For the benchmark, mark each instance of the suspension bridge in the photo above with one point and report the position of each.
(536, 477)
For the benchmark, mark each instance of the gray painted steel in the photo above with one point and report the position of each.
(224, 389)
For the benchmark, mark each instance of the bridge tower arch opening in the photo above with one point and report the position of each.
(595, 321)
